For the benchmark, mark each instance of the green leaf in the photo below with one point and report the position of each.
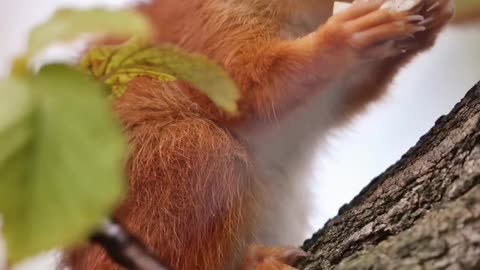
(56, 188)
(209, 78)
(117, 65)
(15, 111)
(68, 24)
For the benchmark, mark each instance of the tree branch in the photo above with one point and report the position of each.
(422, 213)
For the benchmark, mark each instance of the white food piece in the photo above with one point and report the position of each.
(400, 5)
(340, 6)
(394, 5)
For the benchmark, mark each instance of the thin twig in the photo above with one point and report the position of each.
(125, 249)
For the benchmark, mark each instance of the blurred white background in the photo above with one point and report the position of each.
(426, 89)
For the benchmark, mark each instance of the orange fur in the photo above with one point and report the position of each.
(175, 200)
(194, 194)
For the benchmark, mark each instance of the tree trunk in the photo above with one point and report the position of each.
(422, 213)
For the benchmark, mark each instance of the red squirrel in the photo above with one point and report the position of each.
(210, 190)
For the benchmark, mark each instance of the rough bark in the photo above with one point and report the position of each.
(421, 213)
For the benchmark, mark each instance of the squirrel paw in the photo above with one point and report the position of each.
(437, 14)
(365, 25)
